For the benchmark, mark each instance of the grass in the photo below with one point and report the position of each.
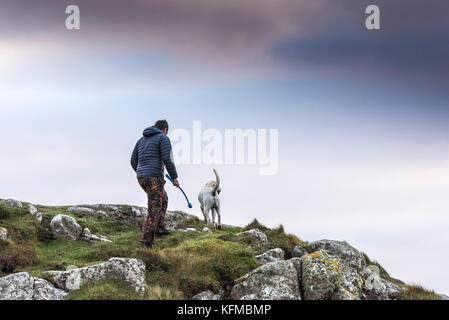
(417, 292)
(277, 238)
(116, 290)
(20, 250)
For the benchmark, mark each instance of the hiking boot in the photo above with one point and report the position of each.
(147, 244)
(163, 230)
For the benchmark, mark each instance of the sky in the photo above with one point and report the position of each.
(362, 116)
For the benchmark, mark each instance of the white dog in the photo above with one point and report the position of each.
(209, 201)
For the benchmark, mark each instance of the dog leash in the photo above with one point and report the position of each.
(188, 202)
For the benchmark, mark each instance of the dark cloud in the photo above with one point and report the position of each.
(418, 52)
(413, 43)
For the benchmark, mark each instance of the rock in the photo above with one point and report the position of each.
(3, 233)
(99, 213)
(299, 251)
(108, 207)
(88, 236)
(444, 297)
(352, 263)
(321, 276)
(36, 213)
(23, 286)
(174, 219)
(62, 225)
(137, 212)
(343, 250)
(131, 271)
(206, 229)
(188, 230)
(13, 203)
(206, 295)
(272, 281)
(256, 233)
(80, 209)
(271, 255)
(377, 288)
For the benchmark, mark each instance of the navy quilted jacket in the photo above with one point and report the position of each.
(152, 151)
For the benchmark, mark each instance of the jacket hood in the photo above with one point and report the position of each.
(151, 131)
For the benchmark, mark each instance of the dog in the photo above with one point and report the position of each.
(209, 201)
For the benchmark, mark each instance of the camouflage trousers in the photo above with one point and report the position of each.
(157, 206)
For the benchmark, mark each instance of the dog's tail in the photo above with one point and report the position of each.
(217, 179)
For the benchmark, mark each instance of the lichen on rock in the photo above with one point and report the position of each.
(272, 281)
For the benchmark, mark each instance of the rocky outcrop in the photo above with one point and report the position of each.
(88, 236)
(444, 297)
(272, 281)
(175, 219)
(206, 295)
(13, 203)
(121, 212)
(376, 288)
(272, 255)
(321, 276)
(36, 213)
(259, 235)
(130, 271)
(352, 263)
(108, 207)
(31, 209)
(80, 209)
(3, 233)
(343, 250)
(63, 225)
(139, 212)
(23, 286)
(299, 251)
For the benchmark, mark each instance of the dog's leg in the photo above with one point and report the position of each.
(204, 214)
(207, 208)
(217, 209)
(213, 217)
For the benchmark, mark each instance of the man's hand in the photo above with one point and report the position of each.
(176, 182)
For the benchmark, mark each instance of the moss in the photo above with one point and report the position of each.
(416, 292)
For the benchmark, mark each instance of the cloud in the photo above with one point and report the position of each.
(228, 28)
(402, 52)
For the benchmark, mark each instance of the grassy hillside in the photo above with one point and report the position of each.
(182, 264)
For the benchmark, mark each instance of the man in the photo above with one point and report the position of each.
(150, 154)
